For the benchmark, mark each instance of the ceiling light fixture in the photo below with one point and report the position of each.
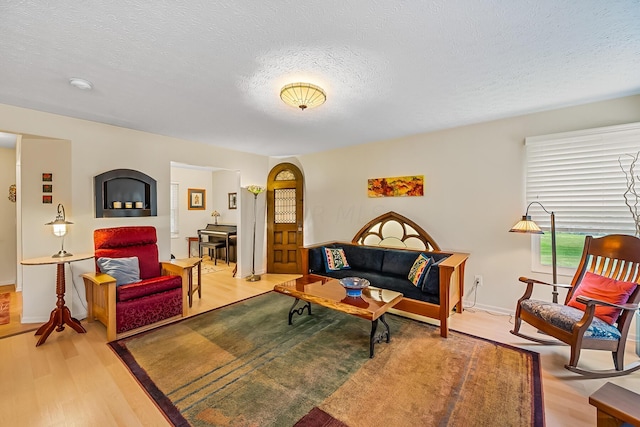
(303, 95)
(80, 83)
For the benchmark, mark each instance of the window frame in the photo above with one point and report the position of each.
(617, 137)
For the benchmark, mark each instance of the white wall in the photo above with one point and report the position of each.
(224, 182)
(96, 148)
(8, 215)
(40, 155)
(190, 221)
(217, 184)
(473, 193)
(474, 190)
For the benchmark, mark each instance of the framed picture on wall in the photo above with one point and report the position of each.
(197, 199)
(233, 200)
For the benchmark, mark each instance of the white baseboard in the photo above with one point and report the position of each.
(9, 282)
(34, 319)
(490, 308)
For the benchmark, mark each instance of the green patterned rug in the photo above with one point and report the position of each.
(243, 365)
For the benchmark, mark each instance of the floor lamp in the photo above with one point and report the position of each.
(255, 190)
(527, 225)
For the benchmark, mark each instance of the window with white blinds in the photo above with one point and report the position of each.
(578, 175)
(174, 209)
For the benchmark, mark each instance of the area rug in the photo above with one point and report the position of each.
(243, 365)
(209, 267)
(5, 309)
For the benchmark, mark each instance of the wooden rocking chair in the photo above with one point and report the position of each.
(610, 268)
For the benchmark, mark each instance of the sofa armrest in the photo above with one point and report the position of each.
(451, 287)
(304, 260)
(455, 261)
(184, 271)
(100, 289)
(98, 278)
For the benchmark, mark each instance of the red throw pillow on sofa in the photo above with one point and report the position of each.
(604, 289)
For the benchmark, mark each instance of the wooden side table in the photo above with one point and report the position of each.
(188, 264)
(61, 314)
(616, 406)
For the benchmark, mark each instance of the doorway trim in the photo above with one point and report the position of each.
(284, 237)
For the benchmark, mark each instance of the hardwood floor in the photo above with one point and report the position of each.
(76, 380)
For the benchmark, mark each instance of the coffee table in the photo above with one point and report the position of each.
(328, 292)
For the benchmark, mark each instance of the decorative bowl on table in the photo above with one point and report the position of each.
(354, 285)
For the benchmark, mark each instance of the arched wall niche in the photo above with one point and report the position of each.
(113, 189)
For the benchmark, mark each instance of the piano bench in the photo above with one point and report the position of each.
(213, 246)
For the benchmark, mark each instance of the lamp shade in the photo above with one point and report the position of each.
(526, 225)
(255, 189)
(60, 230)
(303, 95)
(60, 223)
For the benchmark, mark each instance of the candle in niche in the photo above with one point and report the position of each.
(139, 205)
(128, 205)
(117, 205)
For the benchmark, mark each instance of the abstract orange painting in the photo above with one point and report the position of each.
(398, 186)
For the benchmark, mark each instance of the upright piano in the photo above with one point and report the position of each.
(216, 233)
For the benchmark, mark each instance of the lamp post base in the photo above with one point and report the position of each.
(61, 254)
(253, 278)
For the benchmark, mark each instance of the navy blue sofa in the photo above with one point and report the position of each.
(388, 268)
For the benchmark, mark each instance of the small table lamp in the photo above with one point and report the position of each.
(215, 215)
(60, 230)
(527, 225)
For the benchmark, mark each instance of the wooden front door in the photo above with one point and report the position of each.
(284, 218)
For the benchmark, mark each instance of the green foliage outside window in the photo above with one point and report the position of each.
(568, 249)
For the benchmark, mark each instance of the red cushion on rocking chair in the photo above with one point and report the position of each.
(604, 289)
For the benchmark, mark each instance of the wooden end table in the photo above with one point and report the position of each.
(188, 264)
(60, 315)
(328, 292)
(616, 406)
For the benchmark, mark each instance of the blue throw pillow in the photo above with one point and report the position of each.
(335, 259)
(124, 270)
(419, 270)
(431, 279)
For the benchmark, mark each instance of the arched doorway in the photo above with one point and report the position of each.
(284, 218)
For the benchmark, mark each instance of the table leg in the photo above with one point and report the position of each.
(299, 310)
(377, 338)
(190, 285)
(61, 314)
(199, 280)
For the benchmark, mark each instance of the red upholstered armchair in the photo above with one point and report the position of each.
(157, 296)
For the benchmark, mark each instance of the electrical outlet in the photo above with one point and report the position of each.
(477, 281)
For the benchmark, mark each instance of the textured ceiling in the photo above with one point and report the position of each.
(211, 70)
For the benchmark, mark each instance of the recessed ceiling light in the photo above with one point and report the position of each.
(80, 83)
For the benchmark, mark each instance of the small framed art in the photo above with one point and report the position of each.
(47, 199)
(47, 177)
(47, 188)
(233, 200)
(197, 199)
